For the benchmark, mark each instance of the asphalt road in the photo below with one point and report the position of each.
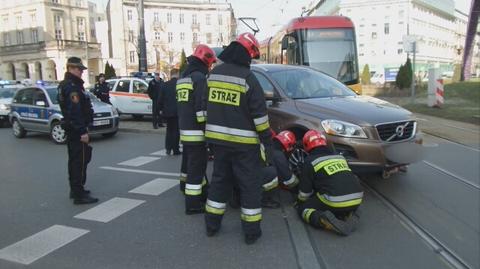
(425, 218)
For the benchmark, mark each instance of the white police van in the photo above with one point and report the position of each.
(36, 109)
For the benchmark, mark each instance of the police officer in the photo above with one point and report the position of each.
(237, 122)
(329, 193)
(77, 116)
(153, 90)
(168, 105)
(191, 92)
(101, 90)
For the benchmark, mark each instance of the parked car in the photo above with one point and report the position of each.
(36, 109)
(129, 96)
(372, 134)
(6, 95)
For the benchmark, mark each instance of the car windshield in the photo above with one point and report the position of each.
(331, 51)
(303, 83)
(7, 92)
(52, 93)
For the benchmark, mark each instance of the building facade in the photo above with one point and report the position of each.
(170, 27)
(37, 37)
(381, 25)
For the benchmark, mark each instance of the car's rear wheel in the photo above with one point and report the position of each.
(109, 134)
(18, 130)
(137, 117)
(57, 133)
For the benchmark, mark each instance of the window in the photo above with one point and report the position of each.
(80, 22)
(19, 21)
(156, 17)
(170, 36)
(78, 3)
(386, 28)
(399, 51)
(194, 19)
(374, 35)
(81, 36)
(195, 37)
(182, 18)
(55, 1)
(20, 37)
(170, 57)
(39, 95)
(220, 19)
(25, 97)
(207, 19)
(139, 87)
(157, 35)
(6, 39)
(132, 57)
(57, 20)
(34, 35)
(58, 34)
(220, 38)
(92, 33)
(182, 36)
(124, 85)
(266, 85)
(209, 38)
(169, 17)
(33, 18)
(129, 15)
(131, 37)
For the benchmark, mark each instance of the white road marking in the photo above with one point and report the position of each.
(140, 171)
(155, 187)
(110, 209)
(139, 161)
(430, 145)
(40, 244)
(162, 152)
(457, 177)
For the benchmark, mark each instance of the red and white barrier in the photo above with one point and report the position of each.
(439, 100)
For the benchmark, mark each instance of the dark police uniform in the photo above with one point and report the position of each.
(154, 89)
(191, 89)
(102, 91)
(77, 116)
(237, 122)
(327, 184)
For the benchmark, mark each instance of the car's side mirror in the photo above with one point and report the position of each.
(271, 96)
(40, 103)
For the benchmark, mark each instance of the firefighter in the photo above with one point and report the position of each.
(329, 193)
(237, 122)
(284, 143)
(191, 90)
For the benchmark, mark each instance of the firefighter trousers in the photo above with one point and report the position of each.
(196, 183)
(183, 170)
(309, 211)
(241, 166)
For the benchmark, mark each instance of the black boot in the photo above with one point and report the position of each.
(84, 199)
(252, 238)
(84, 191)
(328, 221)
(211, 232)
(193, 211)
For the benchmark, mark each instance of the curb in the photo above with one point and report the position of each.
(144, 131)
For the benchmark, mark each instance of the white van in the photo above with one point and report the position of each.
(129, 96)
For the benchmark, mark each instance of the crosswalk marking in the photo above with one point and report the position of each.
(155, 187)
(140, 171)
(110, 209)
(162, 152)
(40, 244)
(139, 161)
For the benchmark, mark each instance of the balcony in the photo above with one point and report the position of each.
(157, 25)
(22, 48)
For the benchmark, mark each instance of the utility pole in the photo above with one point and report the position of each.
(86, 52)
(142, 44)
(414, 45)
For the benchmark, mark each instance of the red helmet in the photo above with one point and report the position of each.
(205, 54)
(273, 132)
(248, 41)
(287, 139)
(313, 139)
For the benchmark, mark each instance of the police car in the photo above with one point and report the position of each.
(36, 109)
(129, 96)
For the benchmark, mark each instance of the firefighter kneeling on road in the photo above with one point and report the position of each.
(237, 122)
(283, 144)
(191, 90)
(329, 193)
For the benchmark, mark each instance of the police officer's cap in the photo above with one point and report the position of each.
(75, 62)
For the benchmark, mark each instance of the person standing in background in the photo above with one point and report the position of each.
(168, 105)
(154, 89)
(101, 90)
